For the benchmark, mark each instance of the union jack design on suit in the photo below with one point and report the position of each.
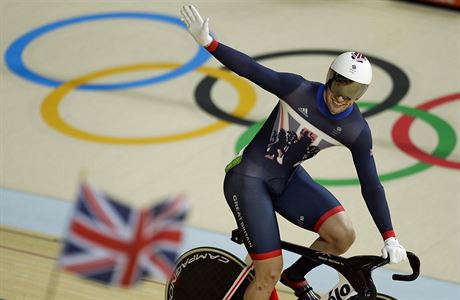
(117, 245)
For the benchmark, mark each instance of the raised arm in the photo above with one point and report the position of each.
(280, 84)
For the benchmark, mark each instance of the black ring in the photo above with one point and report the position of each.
(399, 80)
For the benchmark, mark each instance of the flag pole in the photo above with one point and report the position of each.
(53, 281)
(53, 278)
(83, 174)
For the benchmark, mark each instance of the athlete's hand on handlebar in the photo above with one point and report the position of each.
(198, 28)
(394, 250)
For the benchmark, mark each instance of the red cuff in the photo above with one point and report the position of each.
(266, 255)
(326, 216)
(211, 47)
(388, 234)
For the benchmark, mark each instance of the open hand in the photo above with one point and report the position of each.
(198, 28)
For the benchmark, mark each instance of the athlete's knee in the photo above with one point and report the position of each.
(344, 238)
(267, 281)
(268, 272)
(339, 241)
(338, 233)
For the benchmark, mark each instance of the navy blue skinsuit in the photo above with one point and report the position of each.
(268, 177)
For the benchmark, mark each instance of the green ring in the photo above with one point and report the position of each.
(443, 149)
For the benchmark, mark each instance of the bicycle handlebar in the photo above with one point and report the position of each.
(414, 262)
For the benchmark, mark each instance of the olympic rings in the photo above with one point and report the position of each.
(400, 132)
(399, 79)
(401, 138)
(443, 149)
(50, 106)
(14, 53)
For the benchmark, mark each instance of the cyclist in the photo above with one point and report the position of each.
(268, 177)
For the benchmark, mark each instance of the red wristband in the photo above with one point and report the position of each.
(388, 234)
(211, 47)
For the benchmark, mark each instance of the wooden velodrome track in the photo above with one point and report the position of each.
(39, 158)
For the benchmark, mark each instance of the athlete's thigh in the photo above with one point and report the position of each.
(305, 202)
(252, 207)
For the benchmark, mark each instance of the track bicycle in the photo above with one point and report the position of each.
(209, 273)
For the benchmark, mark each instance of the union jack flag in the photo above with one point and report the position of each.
(359, 57)
(117, 245)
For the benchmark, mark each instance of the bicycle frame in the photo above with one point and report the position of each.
(357, 269)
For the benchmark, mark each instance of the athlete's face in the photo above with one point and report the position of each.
(337, 104)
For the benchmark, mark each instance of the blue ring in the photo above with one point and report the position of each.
(14, 53)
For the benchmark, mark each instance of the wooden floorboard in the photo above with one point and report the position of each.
(28, 270)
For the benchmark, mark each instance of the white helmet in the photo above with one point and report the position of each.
(349, 75)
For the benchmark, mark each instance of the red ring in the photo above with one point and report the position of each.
(401, 137)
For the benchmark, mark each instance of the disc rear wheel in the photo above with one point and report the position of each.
(206, 273)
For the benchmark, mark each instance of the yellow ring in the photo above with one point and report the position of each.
(50, 106)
